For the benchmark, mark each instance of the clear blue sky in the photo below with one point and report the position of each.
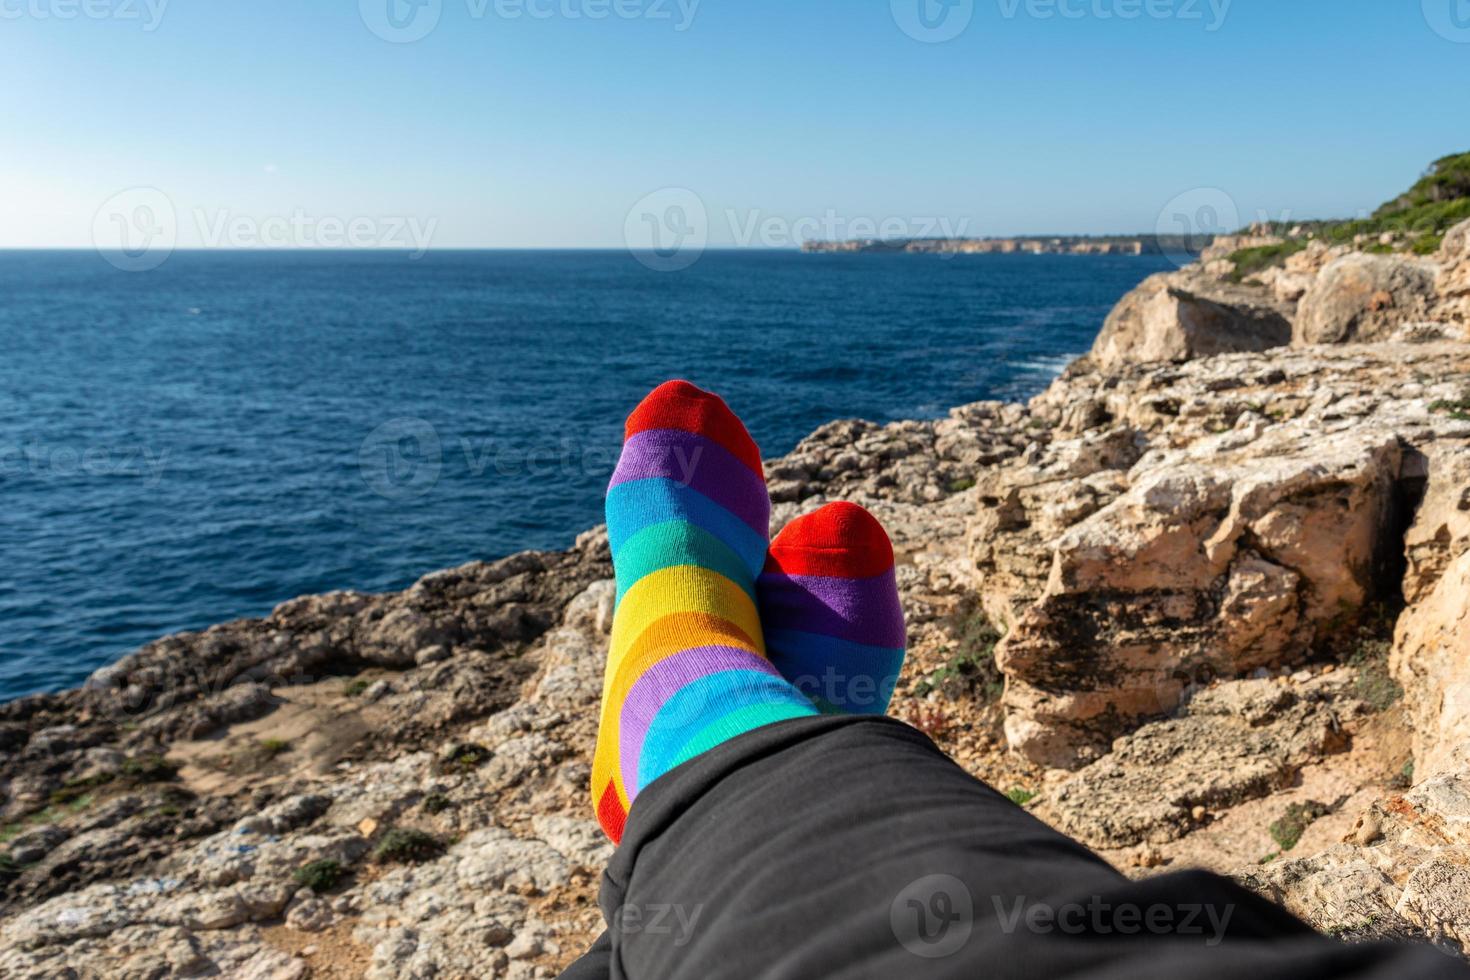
(544, 131)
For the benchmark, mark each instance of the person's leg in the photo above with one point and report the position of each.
(842, 846)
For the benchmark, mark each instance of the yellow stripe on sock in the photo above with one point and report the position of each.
(682, 588)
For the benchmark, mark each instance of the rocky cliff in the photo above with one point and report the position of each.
(1204, 602)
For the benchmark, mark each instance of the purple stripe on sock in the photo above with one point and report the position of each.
(863, 610)
(702, 465)
(664, 680)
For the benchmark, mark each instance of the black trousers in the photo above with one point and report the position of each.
(852, 847)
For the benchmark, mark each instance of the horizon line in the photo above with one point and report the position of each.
(571, 248)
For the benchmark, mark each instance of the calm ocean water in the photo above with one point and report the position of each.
(200, 442)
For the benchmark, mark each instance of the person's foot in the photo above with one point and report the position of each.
(687, 518)
(829, 603)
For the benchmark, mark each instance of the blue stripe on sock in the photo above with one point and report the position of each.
(703, 702)
(855, 678)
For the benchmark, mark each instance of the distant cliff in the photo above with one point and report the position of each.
(1039, 245)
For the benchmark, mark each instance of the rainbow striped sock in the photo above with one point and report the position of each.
(829, 603)
(687, 518)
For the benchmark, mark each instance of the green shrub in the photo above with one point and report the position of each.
(1287, 831)
(1437, 202)
(961, 485)
(1404, 778)
(149, 769)
(971, 665)
(1428, 244)
(1458, 408)
(1374, 684)
(77, 793)
(465, 759)
(355, 688)
(1020, 797)
(1447, 180)
(320, 876)
(405, 846)
(78, 789)
(1249, 261)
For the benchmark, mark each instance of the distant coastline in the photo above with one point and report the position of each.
(1030, 245)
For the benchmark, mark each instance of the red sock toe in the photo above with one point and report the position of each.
(680, 405)
(840, 540)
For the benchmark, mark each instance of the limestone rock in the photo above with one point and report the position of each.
(1290, 281)
(1431, 660)
(1410, 879)
(1431, 654)
(31, 847)
(1224, 246)
(1217, 560)
(1311, 260)
(1453, 282)
(1234, 742)
(1440, 531)
(909, 461)
(1174, 523)
(1362, 297)
(1178, 316)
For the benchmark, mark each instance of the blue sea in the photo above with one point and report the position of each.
(202, 441)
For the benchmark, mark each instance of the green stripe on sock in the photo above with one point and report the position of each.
(675, 543)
